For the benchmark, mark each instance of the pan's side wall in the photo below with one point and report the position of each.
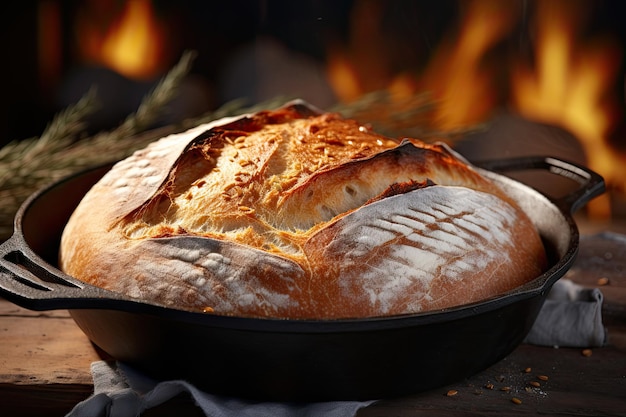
(407, 356)
(558, 231)
(43, 219)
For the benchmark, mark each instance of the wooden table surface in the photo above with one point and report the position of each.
(45, 361)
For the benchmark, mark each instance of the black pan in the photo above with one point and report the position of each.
(291, 360)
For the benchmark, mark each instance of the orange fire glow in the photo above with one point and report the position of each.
(363, 66)
(568, 88)
(456, 75)
(133, 44)
(569, 84)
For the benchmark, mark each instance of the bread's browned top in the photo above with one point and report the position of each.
(272, 179)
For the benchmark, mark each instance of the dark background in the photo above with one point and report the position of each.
(218, 30)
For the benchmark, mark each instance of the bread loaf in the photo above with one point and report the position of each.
(299, 214)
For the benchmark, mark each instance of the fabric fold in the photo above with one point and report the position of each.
(121, 391)
(570, 317)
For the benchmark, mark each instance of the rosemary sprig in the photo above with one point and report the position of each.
(30, 164)
(153, 105)
(19, 159)
(410, 115)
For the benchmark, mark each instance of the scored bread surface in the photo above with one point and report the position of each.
(295, 213)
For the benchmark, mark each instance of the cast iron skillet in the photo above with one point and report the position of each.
(292, 360)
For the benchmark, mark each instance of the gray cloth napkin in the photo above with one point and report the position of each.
(570, 317)
(121, 391)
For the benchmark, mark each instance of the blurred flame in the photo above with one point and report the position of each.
(568, 88)
(571, 84)
(343, 77)
(456, 75)
(362, 67)
(132, 45)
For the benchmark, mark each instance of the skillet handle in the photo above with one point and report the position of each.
(590, 183)
(28, 281)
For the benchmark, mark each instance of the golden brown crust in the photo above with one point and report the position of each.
(294, 213)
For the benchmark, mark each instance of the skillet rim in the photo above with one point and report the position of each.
(105, 299)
